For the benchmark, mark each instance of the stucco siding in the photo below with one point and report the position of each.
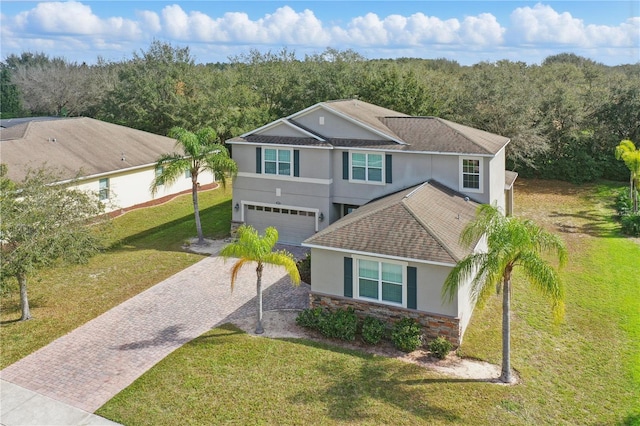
(127, 189)
(335, 126)
(429, 290)
(497, 180)
(327, 270)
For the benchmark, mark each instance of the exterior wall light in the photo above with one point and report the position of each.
(237, 207)
(321, 217)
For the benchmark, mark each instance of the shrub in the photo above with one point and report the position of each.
(623, 203)
(341, 324)
(440, 347)
(310, 318)
(406, 335)
(631, 224)
(372, 330)
(304, 268)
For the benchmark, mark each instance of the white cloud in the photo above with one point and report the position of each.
(542, 24)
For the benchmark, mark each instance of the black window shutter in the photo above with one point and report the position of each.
(387, 169)
(345, 165)
(296, 162)
(412, 287)
(348, 277)
(258, 159)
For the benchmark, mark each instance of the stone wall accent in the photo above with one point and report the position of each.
(234, 229)
(433, 325)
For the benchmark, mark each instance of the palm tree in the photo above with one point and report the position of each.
(251, 247)
(510, 242)
(200, 152)
(627, 152)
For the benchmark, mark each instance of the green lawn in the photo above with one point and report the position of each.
(146, 249)
(583, 371)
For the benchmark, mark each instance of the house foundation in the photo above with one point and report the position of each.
(433, 325)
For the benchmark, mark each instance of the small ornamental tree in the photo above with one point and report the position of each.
(200, 152)
(627, 152)
(44, 223)
(252, 248)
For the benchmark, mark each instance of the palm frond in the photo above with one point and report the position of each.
(173, 167)
(235, 270)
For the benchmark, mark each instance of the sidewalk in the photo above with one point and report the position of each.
(87, 367)
(21, 406)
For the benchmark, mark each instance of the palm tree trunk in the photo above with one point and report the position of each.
(24, 299)
(505, 375)
(196, 208)
(259, 328)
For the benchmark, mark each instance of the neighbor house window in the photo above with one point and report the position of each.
(277, 161)
(159, 180)
(380, 281)
(187, 174)
(471, 174)
(104, 189)
(366, 167)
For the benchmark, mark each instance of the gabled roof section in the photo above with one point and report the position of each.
(400, 132)
(80, 144)
(438, 135)
(422, 222)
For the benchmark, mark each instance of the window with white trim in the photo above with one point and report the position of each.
(104, 189)
(380, 281)
(366, 167)
(471, 174)
(159, 179)
(277, 161)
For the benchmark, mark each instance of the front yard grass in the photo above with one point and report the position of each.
(583, 371)
(146, 249)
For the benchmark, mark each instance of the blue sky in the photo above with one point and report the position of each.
(465, 31)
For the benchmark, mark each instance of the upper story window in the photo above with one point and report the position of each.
(381, 281)
(366, 167)
(104, 189)
(471, 174)
(277, 161)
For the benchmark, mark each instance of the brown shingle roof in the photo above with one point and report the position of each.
(422, 222)
(405, 133)
(439, 135)
(81, 144)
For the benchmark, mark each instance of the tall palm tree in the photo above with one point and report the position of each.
(510, 242)
(200, 152)
(627, 152)
(250, 247)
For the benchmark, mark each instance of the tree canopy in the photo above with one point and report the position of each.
(564, 117)
(44, 223)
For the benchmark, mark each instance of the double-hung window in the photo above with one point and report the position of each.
(366, 167)
(471, 174)
(104, 189)
(380, 281)
(277, 161)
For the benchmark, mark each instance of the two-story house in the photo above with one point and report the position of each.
(379, 197)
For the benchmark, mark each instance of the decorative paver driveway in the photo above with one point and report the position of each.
(88, 366)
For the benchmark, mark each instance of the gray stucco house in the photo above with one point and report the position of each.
(379, 197)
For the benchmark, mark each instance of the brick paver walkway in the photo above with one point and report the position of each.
(88, 366)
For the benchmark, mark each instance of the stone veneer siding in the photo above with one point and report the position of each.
(433, 325)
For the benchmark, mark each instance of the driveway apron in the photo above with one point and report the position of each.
(91, 364)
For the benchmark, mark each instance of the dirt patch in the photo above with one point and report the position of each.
(282, 324)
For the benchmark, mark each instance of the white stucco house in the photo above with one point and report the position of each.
(380, 198)
(115, 162)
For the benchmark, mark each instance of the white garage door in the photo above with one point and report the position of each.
(294, 226)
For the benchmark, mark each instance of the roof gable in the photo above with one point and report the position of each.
(422, 222)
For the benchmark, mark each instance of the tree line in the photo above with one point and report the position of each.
(564, 117)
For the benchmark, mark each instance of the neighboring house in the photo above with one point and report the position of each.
(115, 162)
(379, 197)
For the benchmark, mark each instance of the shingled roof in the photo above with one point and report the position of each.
(423, 222)
(404, 132)
(81, 144)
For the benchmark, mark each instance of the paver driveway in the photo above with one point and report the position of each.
(88, 366)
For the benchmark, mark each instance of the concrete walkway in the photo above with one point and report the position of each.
(87, 367)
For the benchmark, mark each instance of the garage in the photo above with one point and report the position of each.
(293, 225)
